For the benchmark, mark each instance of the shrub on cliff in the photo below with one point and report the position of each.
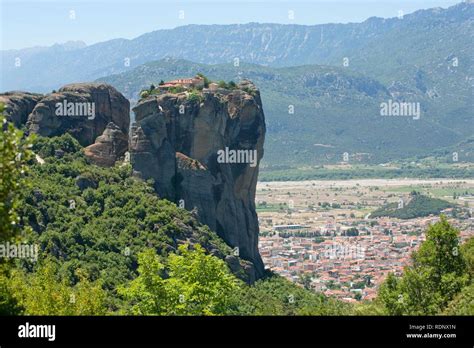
(194, 96)
(206, 80)
(176, 89)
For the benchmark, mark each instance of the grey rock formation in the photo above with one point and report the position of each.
(109, 147)
(176, 141)
(88, 109)
(18, 105)
(82, 109)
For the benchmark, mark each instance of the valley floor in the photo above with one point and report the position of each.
(303, 226)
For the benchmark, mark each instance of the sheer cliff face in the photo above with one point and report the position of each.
(203, 152)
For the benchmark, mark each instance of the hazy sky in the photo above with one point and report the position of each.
(45, 22)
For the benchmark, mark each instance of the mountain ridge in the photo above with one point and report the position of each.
(262, 44)
(334, 105)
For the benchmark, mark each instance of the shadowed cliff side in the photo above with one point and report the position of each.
(203, 151)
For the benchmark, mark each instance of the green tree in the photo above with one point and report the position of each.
(463, 303)
(305, 280)
(15, 152)
(467, 250)
(197, 284)
(277, 296)
(437, 274)
(147, 292)
(206, 80)
(202, 282)
(176, 89)
(44, 292)
(442, 259)
(144, 94)
(194, 96)
(8, 303)
(389, 295)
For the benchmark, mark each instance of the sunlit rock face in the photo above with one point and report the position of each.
(203, 152)
(81, 109)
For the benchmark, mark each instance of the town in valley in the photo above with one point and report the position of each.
(320, 235)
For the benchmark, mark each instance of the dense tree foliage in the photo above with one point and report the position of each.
(109, 245)
(191, 283)
(437, 274)
(467, 249)
(105, 234)
(363, 172)
(418, 206)
(99, 219)
(463, 303)
(44, 293)
(277, 296)
(14, 155)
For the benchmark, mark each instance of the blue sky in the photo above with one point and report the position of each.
(45, 22)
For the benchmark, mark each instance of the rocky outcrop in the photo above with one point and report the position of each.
(18, 105)
(180, 140)
(82, 109)
(109, 147)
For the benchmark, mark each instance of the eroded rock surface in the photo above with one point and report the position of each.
(96, 114)
(109, 147)
(176, 141)
(88, 109)
(18, 105)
